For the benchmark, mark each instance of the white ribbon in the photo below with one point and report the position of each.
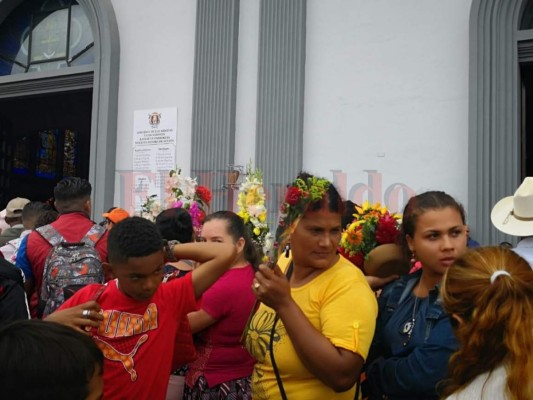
(498, 273)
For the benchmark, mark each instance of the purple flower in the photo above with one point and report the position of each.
(195, 212)
(177, 204)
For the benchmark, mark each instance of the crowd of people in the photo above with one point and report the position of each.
(135, 309)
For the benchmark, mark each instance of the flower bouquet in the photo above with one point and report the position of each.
(251, 208)
(180, 192)
(372, 226)
(184, 192)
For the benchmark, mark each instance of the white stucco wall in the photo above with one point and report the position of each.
(387, 90)
(247, 67)
(156, 71)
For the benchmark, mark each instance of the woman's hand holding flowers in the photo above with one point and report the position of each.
(273, 288)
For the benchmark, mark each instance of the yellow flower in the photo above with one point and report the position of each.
(257, 231)
(251, 197)
(263, 217)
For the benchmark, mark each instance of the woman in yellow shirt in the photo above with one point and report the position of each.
(311, 334)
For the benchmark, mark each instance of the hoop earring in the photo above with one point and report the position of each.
(287, 250)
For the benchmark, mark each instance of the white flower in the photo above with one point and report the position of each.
(156, 208)
(268, 243)
(188, 187)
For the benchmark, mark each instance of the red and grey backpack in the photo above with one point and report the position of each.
(68, 267)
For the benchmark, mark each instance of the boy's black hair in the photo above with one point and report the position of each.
(72, 189)
(175, 224)
(46, 217)
(46, 360)
(133, 237)
(33, 210)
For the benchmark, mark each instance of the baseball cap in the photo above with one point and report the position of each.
(116, 215)
(15, 206)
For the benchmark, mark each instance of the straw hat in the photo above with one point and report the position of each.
(514, 214)
(386, 260)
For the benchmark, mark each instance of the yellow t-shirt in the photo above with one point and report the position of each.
(338, 303)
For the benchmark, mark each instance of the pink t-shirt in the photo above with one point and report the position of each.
(137, 338)
(221, 356)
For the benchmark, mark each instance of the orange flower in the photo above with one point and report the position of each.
(354, 237)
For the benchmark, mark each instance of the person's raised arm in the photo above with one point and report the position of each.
(214, 259)
(338, 368)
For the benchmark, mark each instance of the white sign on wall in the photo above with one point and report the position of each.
(154, 149)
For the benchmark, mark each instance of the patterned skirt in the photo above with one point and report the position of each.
(238, 389)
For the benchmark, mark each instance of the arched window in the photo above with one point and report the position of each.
(41, 36)
(62, 47)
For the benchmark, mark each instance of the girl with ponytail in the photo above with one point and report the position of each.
(489, 293)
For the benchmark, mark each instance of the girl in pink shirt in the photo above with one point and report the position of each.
(223, 367)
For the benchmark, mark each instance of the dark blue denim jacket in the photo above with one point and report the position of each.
(410, 372)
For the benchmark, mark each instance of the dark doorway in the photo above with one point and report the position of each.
(43, 139)
(526, 72)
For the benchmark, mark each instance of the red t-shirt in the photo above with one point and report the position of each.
(73, 227)
(137, 338)
(221, 356)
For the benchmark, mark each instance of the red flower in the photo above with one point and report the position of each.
(203, 194)
(387, 229)
(358, 259)
(201, 217)
(293, 196)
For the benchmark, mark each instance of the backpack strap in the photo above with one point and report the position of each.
(50, 234)
(93, 235)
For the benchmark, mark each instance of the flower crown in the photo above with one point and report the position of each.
(251, 203)
(184, 192)
(302, 192)
(372, 226)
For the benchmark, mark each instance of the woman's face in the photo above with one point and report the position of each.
(439, 238)
(315, 240)
(216, 231)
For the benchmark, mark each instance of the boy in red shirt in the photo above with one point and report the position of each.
(134, 318)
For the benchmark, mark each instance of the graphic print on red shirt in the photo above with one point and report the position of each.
(137, 338)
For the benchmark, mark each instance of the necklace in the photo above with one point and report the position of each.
(410, 325)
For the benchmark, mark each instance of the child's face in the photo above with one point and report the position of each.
(139, 277)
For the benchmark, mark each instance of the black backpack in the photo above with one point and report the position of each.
(13, 304)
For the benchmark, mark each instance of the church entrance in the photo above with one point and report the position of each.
(43, 138)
